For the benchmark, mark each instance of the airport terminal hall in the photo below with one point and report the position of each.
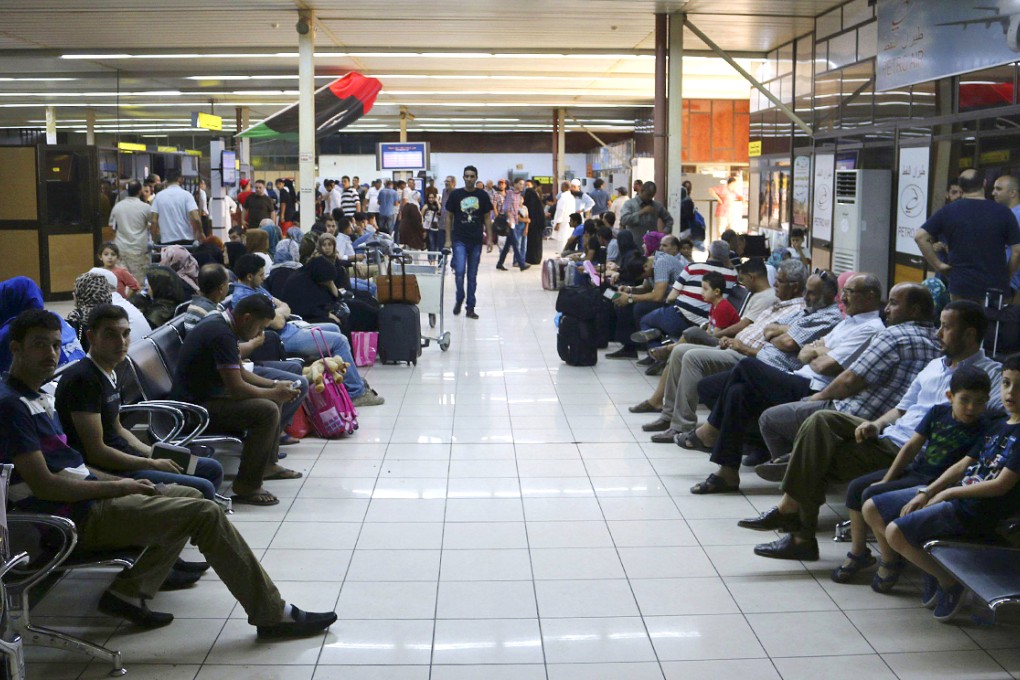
(551, 340)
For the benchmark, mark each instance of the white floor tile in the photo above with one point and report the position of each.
(501, 641)
(585, 599)
(619, 639)
(683, 596)
(691, 638)
(808, 634)
(387, 600)
(486, 565)
(576, 563)
(378, 643)
(486, 600)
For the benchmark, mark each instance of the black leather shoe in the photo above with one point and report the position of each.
(471, 313)
(656, 368)
(772, 520)
(623, 353)
(303, 625)
(178, 580)
(786, 548)
(773, 470)
(647, 361)
(191, 567)
(502, 268)
(456, 308)
(525, 266)
(111, 605)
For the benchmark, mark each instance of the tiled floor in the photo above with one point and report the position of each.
(503, 517)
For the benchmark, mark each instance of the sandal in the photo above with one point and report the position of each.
(260, 498)
(714, 484)
(693, 442)
(282, 473)
(885, 584)
(845, 573)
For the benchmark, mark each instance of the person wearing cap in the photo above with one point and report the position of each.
(642, 213)
(583, 203)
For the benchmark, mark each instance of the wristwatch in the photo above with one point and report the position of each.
(923, 490)
(630, 299)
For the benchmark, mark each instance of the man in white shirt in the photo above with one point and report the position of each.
(175, 219)
(336, 197)
(130, 220)
(372, 195)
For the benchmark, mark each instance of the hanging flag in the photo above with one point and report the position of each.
(337, 105)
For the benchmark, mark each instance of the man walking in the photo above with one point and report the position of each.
(468, 217)
(130, 220)
(642, 213)
(175, 219)
(387, 206)
(518, 218)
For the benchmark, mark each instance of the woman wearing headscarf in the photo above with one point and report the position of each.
(289, 250)
(139, 324)
(22, 293)
(273, 232)
(412, 233)
(533, 202)
(183, 264)
(210, 251)
(326, 249)
(257, 242)
(90, 291)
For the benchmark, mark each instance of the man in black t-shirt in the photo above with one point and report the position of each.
(259, 206)
(88, 404)
(468, 216)
(209, 373)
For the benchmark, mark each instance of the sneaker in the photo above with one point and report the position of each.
(369, 398)
(471, 313)
(929, 591)
(456, 308)
(641, 337)
(950, 602)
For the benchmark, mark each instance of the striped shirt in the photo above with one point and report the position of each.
(754, 335)
(29, 423)
(845, 343)
(349, 202)
(804, 327)
(688, 284)
(889, 364)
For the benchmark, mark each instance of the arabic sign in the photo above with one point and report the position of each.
(914, 38)
(801, 189)
(825, 173)
(912, 199)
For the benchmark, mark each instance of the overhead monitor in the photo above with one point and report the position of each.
(402, 156)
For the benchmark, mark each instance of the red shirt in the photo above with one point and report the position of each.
(723, 315)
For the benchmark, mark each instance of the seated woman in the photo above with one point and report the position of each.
(312, 293)
(257, 241)
(18, 295)
(209, 251)
(325, 248)
(274, 233)
(178, 259)
(289, 249)
(90, 291)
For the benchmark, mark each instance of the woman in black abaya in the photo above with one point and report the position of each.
(533, 201)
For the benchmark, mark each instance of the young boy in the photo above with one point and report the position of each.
(945, 435)
(968, 500)
(713, 291)
(796, 249)
(109, 257)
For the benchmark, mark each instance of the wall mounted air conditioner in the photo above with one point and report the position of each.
(861, 229)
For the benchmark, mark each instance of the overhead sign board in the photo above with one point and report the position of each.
(402, 156)
(206, 121)
(754, 149)
(129, 146)
(914, 39)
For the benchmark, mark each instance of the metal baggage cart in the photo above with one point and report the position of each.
(429, 267)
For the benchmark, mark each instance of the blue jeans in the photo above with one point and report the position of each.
(512, 242)
(302, 344)
(289, 371)
(436, 239)
(385, 222)
(206, 480)
(522, 240)
(466, 257)
(667, 319)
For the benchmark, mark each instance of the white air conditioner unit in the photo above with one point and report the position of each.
(861, 231)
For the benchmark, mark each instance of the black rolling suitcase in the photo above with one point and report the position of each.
(399, 333)
(576, 341)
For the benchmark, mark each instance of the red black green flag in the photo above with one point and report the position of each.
(337, 105)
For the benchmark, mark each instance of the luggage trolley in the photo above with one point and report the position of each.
(429, 267)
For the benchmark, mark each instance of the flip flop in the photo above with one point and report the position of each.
(283, 473)
(263, 498)
(693, 442)
(714, 484)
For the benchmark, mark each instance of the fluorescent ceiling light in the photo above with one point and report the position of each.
(375, 55)
(525, 93)
(35, 80)
(146, 93)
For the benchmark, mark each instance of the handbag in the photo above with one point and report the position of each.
(365, 347)
(389, 290)
(330, 412)
(299, 427)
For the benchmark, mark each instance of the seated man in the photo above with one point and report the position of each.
(787, 299)
(685, 307)
(753, 386)
(213, 287)
(113, 512)
(297, 335)
(838, 447)
(874, 383)
(634, 303)
(209, 373)
(88, 404)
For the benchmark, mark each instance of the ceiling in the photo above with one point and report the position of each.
(484, 65)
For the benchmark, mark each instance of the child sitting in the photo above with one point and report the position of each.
(723, 315)
(967, 500)
(109, 256)
(796, 249)
(945, 435)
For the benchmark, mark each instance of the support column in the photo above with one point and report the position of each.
(555, 150)
(660, 113)
(90, 127)
(670, 194)
(561, 145)
(51, 125)
(306, 118)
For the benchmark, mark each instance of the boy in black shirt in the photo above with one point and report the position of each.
(468, 215)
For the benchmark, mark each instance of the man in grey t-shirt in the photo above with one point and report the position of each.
(175, 219)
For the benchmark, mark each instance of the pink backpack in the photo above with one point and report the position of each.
(331, 412)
